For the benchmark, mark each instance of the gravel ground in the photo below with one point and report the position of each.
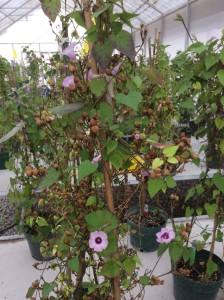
(7, 212)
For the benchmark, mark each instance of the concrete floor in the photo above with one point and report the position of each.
(17, 273)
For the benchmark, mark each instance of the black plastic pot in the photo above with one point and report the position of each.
(4, 157)
(35, 249)
(143, 239)
(188, 289)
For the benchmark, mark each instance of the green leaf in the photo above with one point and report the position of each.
(47, 288)
(124, 43)
(91, 201)
(98, 86)
(67, 108)
(144, 279)
(219, 123)
(100, 10)
(157, 162)
(137, 260)
(102, 53)
(176, 251)
(116, 159)
(50, 178)
(73, 264)
(106, 113)
(111, 146)
(138, 81)
(162, 248)
(189, 104)
(171, 183)
(111, 269)
(222, 100)
(112, 245)
(125, 283)
(101, 219)
(197, 47)
(86, 168)
(222, 55)
(211, 267)
(189, 212)
(132, 100)
(211, 209)
(30, 292)
(199, 211)
(220, 75)
(218, 180)
(172, 160)
(51, 8)
(221, 146)
(78, 17)
(154, 186)
(41, 222)
(170, 151)
(210, 60)
(129, 265)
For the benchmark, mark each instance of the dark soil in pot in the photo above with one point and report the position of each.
(188, 280)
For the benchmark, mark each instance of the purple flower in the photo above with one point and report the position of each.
(137, 136)
(98, 240)
(68, 82)
(115, 70)
(213, 38)
(145, 173)
(165, 235)
(69, 51)
(90, 75)
(96, 159)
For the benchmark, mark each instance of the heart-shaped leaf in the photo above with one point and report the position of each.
(86, 168)
(218, 180)
(157, 162)
(51, 8)
(124, 43)
(132, 100)
(170, 150)
(211, 209)
(220, 75)
(154, 186)
(98, 86)
(102, 53)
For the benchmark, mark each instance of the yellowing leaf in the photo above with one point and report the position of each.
(157, 162)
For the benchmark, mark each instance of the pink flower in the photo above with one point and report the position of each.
(115, 70)
(69, 51)
(68, 82)
(145, 173)
(96, 159)
(165, 235)
(137, 136)
(98, 240)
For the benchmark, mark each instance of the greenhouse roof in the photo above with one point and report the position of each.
(148, 11)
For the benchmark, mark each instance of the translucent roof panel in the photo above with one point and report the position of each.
(147, 10)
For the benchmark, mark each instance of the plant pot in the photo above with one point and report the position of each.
(144, 238)
(4, 157)
(185, 288)
(35, 248)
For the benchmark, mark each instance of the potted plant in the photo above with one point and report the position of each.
(74, 155)
(206, 81)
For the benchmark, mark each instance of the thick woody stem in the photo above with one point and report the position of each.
(103, 136)
(88, 21)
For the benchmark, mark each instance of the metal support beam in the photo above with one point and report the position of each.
(162, 29)
(188, 23)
